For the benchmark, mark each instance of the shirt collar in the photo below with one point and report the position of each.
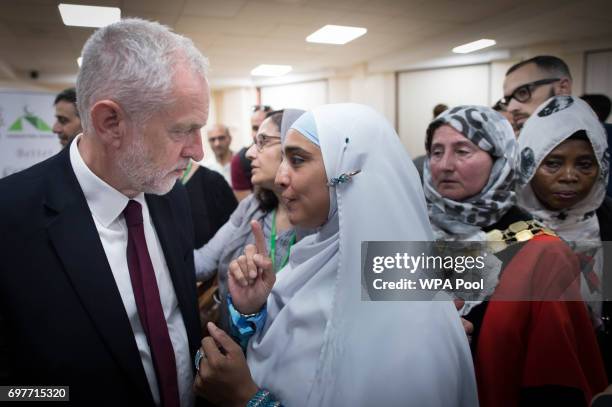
(104, 201)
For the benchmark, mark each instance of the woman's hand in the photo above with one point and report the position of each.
(224, 377)
(251, 277)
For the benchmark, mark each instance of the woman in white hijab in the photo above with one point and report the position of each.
(563, 170)
(345, 172)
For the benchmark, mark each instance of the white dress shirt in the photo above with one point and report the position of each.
(106, 205)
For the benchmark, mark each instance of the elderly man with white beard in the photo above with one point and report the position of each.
(97, 283)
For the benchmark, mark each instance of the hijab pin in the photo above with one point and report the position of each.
(342, 178)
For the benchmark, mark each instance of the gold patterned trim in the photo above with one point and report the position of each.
(520, 231)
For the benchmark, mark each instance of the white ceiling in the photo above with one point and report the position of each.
(237, 35)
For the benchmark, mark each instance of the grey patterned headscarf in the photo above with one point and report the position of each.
(490, 131)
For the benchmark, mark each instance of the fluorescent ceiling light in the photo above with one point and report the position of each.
(336, 34)
(271, 70)
(79, 60)
(88, 16)
(473, 46)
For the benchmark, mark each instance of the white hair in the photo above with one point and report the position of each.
(133, 63)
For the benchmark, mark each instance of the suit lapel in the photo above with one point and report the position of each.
(177, 252)
(74, 236)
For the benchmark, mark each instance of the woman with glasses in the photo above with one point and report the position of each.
(346, 174)
(241, 166)
(263, 206)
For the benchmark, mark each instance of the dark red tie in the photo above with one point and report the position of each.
(149, 306)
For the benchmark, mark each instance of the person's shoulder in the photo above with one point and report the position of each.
(236, 157)
(22, 184)
(248, 204)
(209, 176)
(246, 210)
(24, 194)
(38, 170)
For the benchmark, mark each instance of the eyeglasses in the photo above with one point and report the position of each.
(262, 141)
(522, 94)
(263, 108)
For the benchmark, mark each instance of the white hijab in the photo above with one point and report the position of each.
(552, 123)
(321, 345)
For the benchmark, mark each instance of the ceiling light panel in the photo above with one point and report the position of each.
(88, 16)
(336, 34)
(474, 46)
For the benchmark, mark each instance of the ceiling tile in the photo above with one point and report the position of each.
(208, 8)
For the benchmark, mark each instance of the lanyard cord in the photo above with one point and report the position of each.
(273, 245)
(183, 178)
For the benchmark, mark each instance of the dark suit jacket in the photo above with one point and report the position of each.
(212, 202)
(65, 323)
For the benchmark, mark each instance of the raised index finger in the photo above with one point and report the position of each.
(260, 240)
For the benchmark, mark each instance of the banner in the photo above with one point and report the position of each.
(26, 138)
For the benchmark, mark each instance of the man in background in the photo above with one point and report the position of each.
(219, 138)
(67, 122)
(531, 82)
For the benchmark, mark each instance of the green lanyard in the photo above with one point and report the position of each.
(273, 245)
(183, 178)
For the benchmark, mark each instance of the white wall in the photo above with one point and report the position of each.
(305, 95)
(599, 73)
(496, 84)
(231, 107)
(408, 104)
(420, 91)
(376, 91)
(357, 86)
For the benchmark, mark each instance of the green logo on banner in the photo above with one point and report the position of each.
(37, 122)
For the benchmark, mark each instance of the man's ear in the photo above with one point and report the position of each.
(565, 86)
(109, 121)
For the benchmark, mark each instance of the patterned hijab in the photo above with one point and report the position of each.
(554, 122)
(491, 132)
